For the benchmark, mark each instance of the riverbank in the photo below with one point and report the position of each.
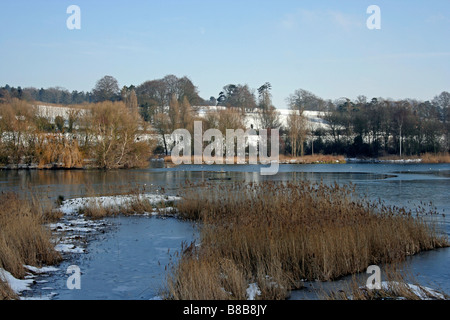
(308, 159)
(283, 159)
(429, 158)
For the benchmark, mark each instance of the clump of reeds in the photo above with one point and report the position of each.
(135, 202)
(6, 293)
(443, 157)
(397, 285)
(276, 234)
(310, 159)
(428, 157)
(24, 239)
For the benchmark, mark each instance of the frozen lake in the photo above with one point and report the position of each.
(128, 260)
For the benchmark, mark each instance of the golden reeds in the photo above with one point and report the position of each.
(24, 240)
(441, 157)
(277, 234)
(397, 285)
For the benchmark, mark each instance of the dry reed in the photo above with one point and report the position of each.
(277, 234)
(442, 157)
(398, 285)
(24, 240)
(134, 202)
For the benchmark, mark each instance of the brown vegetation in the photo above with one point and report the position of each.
(310, 159)
(133, 202)
(110, 133)
(441, 157)
(24, 240)
(397, 285)
(307, 159)
(276, 234)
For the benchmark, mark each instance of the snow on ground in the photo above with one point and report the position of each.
(72, 206)
(17, 285)
(424, 293)
(20, 285)
(253, 291)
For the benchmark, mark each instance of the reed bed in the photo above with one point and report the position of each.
(276, 234)
(311, 159)
(441, 157)
(24, 239)
(134, 203)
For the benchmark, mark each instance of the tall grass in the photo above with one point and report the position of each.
(134, 202)
(277, 234)
(397, 285)
(24, 240)
(441, 157)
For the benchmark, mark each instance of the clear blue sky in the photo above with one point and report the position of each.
(321, 46)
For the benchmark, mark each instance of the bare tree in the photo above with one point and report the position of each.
(107, 88)
(116, 136)
(297, 131)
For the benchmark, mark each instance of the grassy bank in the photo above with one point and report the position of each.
(424, 158)
(275, 235)
(307, 159)
(24, 240)
(133, 200)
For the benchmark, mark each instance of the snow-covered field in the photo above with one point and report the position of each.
(314, 118)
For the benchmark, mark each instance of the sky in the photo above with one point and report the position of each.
(323, 46)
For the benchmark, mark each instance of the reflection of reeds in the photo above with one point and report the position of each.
(276, 234)
(24, 240)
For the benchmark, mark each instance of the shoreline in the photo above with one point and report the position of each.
(308, 159)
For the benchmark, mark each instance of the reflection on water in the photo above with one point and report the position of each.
(406, 185)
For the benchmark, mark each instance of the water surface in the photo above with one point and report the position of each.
(128, 262)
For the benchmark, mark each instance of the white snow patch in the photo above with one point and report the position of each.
(17, 285)
(72, 206)
(253, 291)
(41, 297)
(68, 248)
(424, 293)
(37, 270)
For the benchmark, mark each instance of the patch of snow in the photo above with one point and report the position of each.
(72, 206)
(17, 285)
(68, 248)
(424, 293)
(41, 297)
(253, 291)
(37, 270)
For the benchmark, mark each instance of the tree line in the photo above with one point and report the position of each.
(362, 127)
(101, 135)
